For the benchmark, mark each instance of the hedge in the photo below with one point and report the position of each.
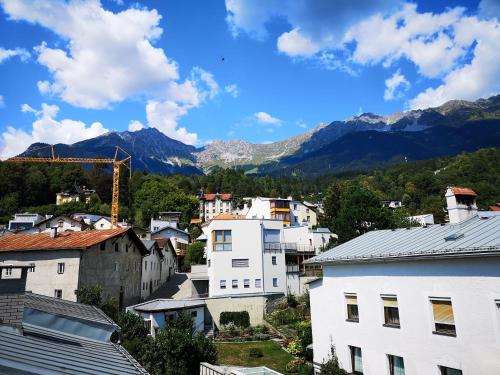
(239, 318)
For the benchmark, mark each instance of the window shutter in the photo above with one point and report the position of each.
(351, 299)
(443, 312)
(390, 302)
(240, 263)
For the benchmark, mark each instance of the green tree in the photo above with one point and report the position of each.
(195, 254)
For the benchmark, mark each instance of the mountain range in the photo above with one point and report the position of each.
(359, 143)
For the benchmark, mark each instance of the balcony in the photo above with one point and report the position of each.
(272, 247)
(288, 248)
(292, 268)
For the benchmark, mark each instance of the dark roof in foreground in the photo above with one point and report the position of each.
(477, 236)
(47, 352)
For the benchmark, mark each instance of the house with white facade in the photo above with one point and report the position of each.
(212, 205)
(179, 238)
(61, 263)
(165, 219)
(63, 223)
(303, 213)
(423, 220)
(271, 209)
(244, 256)
(414, 301)
(151, 268)
(169, 259)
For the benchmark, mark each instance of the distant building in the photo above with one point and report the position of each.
(413, 300)
(461, 204)
(151, 268)
(75, 194)
(165, 219)
(271, 209)
(62, 223)
(212, 205)
(179, 238)
(423, 220)
(495, 207)
(24, 221)
(63, 263)
(303, 213)
(169, 260)
(392, 204)
(46, 335)
(244, 256)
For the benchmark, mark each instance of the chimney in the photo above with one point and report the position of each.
(461, 204)
(53, 232)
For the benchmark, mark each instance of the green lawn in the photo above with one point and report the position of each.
(237, 354)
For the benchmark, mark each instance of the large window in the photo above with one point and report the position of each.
(391, 311)
(449, 371)
(272, 235)
(356, 360)
(222, 240)
(444, 322)
(396, 365)
(352, 307)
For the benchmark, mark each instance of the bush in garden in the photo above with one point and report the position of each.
(294, 365)
(331, 366)
(304, 331)
(255, 353)
(291, 300)
(295, 348)
(239, 318)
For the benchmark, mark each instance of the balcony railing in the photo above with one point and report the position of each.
(288, 247)
(291, 268)
(272, 247)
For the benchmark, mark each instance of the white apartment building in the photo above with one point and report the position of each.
(412, 301)
(63, 263)
(245, 256)
(303, 213)
(212, 205)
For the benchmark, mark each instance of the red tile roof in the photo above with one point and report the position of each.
(68, 240)
(211, 197)
(463, 191)
(495, 207)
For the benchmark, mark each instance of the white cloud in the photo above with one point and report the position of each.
(135, 125)
(489, 9)
(293, 43)
(109, 56)
(232, 90)
(2, 102)
(46, 128)
(6, 54)
(180, 98)
(266, 118)
(395, 86)
(301, 124)
(26, 108)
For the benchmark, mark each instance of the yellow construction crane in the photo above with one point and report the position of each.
(117, 163)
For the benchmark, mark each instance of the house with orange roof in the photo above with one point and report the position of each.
(212, 205)
(61, 263)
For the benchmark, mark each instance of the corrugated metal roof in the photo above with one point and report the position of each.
(168, 304)
(68, 240)
(66, 308)
(478, 235)
(42, 351)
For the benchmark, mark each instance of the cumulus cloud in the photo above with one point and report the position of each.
(6, 54)
(135, 125)
(395, 86)
(46, 128)
(266, 118)
(180, 98)
(108, 56)
(26, 108)
(232, 90)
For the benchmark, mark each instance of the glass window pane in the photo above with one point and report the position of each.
(358, 362)
(219, 247)
(218, 236)
(227, 247)
(227, 236)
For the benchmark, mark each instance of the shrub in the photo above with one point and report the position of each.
(291, 300)
(304, 332)
(295, 348)
(331, 366)
(239, 318)
(294, 365)
(255, 353)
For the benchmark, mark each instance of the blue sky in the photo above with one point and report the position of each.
(259, 70)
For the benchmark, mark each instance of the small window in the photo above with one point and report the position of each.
(116, 267)
(102, 245)
(126, 248)
(147, 325)
(235, 284)
(352, 307)
(116, 247)
(246, 283)
(223, 284)
(275, 282)
(60, 224)
(240, 263)
(47, 225)
(32, 267)
(449, 371)
(444, 322)
(391, 311)
(145, 265)
(58, 293)
(194, 314)
(222, 240)
(356, 360)
(273, 260)
(8, 272)
(396, 365)
(60, 267)
(258, 283)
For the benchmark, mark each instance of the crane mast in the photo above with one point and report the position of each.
(117, 163)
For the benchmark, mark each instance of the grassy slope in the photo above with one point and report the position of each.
(237, 354)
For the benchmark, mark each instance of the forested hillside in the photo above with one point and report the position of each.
(419, 185)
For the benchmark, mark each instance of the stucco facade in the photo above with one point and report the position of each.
(472, 285)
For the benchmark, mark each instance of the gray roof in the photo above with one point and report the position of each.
(167, 304)
(148, 243)
(43, 351)
(67, 308)
(477, 236)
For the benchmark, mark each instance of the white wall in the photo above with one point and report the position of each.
(301, 213)
(151, 273)
(473, 286)
(67, 225)
(102, 223)
(261, 209)
(247, 243)
(45, 280)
